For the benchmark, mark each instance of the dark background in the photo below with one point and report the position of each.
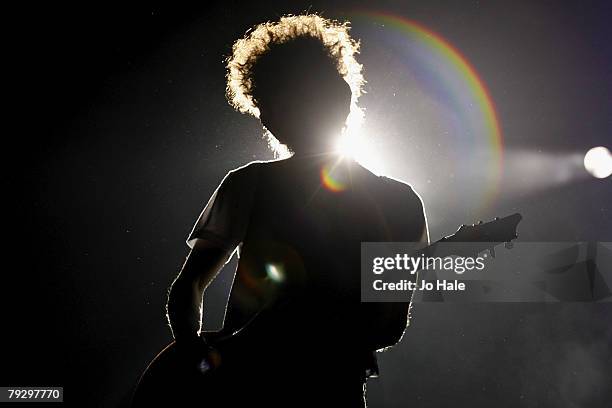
(123, 133)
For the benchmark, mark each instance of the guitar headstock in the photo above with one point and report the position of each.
(487, 235)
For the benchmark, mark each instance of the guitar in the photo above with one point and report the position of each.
(167, 381)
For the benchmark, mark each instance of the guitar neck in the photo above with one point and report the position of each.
(470, 240)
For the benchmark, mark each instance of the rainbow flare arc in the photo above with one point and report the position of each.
(330, 181)
(446, 71)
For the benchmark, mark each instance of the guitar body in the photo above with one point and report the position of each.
(167, 381)
(239, 374)
(158, 386)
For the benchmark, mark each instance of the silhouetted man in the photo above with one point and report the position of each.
(297, 225)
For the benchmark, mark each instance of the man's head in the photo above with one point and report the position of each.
(300, 77)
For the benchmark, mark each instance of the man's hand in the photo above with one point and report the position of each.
(196, 355)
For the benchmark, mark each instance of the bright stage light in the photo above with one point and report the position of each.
(356, 142)
(598, 162)
(344, 146)
(351, 140)
(363, 150)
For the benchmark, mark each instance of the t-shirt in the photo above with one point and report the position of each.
(223, 221)
(299, 227)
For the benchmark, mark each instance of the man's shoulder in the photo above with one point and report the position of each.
(249, 167)
(385, 187)
(402, 206)
(245, 173)
(397, 184)
(400, 188)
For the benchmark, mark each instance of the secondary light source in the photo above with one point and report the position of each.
(598, 162)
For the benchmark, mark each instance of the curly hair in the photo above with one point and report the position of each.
(333, 35)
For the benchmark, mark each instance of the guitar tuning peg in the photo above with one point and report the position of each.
(496, 219)
(480, 222)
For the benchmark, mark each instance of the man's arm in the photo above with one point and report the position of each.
(184, 307)
(391, 319)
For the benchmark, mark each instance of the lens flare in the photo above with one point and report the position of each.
(275, 273)
(447, 85)
(331, 179)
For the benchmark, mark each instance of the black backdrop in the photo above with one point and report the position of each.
(122, 133)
